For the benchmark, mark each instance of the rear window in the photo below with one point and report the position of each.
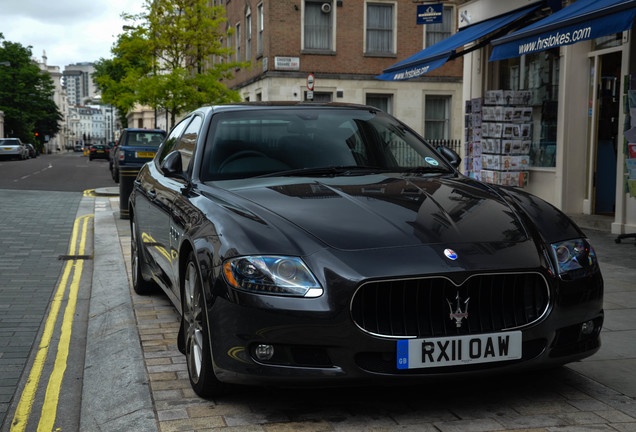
(144, 139)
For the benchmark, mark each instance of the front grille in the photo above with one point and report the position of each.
(422, 307)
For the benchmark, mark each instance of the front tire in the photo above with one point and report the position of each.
(195, 334)
(140, 285)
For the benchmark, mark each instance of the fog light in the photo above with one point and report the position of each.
(264, 352)
(587, 327)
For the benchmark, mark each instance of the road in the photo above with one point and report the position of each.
(45, 221)
(119, 369)
(69, 171)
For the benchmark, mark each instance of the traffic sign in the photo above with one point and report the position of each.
(310, 81)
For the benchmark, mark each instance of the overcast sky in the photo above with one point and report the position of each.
(70, 31)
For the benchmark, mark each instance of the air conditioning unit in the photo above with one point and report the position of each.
(325, 8)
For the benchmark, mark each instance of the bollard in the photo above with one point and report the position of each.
(127, 176)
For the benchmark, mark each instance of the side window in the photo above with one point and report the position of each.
(189, 141)
(170, 143)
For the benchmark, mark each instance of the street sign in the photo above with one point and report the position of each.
(430, 14)
(310, 82)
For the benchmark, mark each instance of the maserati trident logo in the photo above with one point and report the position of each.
(450, 254)
(458, 314)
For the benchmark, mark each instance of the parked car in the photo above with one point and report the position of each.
(99, 151)
(32, 152)
(78, 148)
(134, 148)
(13, 148)
(111, 156)
(319, 244)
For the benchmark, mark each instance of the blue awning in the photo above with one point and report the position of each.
(582, 20)
(438, 54)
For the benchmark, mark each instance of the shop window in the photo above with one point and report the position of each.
(318, 25)
(437, 117)
(379, 31)
(438, 32)
(537, 76)
(380, 101)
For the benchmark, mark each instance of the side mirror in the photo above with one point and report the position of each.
(453, 158)
(172, 166)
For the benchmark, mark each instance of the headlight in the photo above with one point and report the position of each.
(277, 275)
(574, 258)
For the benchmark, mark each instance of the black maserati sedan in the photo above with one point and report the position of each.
(329, 244)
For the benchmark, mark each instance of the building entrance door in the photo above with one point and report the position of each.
(606, 105)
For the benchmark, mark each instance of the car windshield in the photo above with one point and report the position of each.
(8, 142)
(313, 142)
(144, 138)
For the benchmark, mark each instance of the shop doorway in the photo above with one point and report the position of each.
(606, 105)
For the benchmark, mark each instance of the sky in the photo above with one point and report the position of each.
(69, 31)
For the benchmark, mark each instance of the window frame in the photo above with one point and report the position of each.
(446, 122)
(394, 9)
(260, 26)
(237, 38)
(452, 29)
(248, 34)
(331, 50)
(389, 96)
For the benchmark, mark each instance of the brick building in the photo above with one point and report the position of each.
(346, 44)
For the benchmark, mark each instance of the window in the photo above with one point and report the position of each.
(188, 142)
(238, 42)
(248, 34)
(381, 101)
(379, 33)
(259, 24)
(171, 141)
(318, 25)
(438, 32)
(437, 117)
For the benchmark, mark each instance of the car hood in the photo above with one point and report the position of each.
(381, 211)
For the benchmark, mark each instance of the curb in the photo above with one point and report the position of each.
(116, 391)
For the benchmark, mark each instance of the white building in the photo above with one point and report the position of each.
(59, 141)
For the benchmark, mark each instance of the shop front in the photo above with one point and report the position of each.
(550, 100)
(547, 106)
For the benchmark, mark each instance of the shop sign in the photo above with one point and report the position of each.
(430, 14)
(287, 63)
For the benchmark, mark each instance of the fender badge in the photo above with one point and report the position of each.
(450, 254)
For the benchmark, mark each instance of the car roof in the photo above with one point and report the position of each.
(145, 130)
(241, 106)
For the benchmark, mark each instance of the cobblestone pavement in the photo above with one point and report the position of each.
(559, 400)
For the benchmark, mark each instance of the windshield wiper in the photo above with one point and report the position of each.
(327, 171)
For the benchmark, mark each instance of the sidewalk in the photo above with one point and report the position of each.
(135, 379)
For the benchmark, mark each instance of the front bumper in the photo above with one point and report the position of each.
(316, 341)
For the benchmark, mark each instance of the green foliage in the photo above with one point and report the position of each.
(26, 95)
(164, 59)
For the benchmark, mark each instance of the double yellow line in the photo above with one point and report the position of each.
(51, 399)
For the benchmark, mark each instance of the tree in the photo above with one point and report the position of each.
(26, 95)
(163, 60)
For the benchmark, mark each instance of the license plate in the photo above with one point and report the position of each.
(145, 154)
(100, 151)
(8, 148)
(458, 350)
